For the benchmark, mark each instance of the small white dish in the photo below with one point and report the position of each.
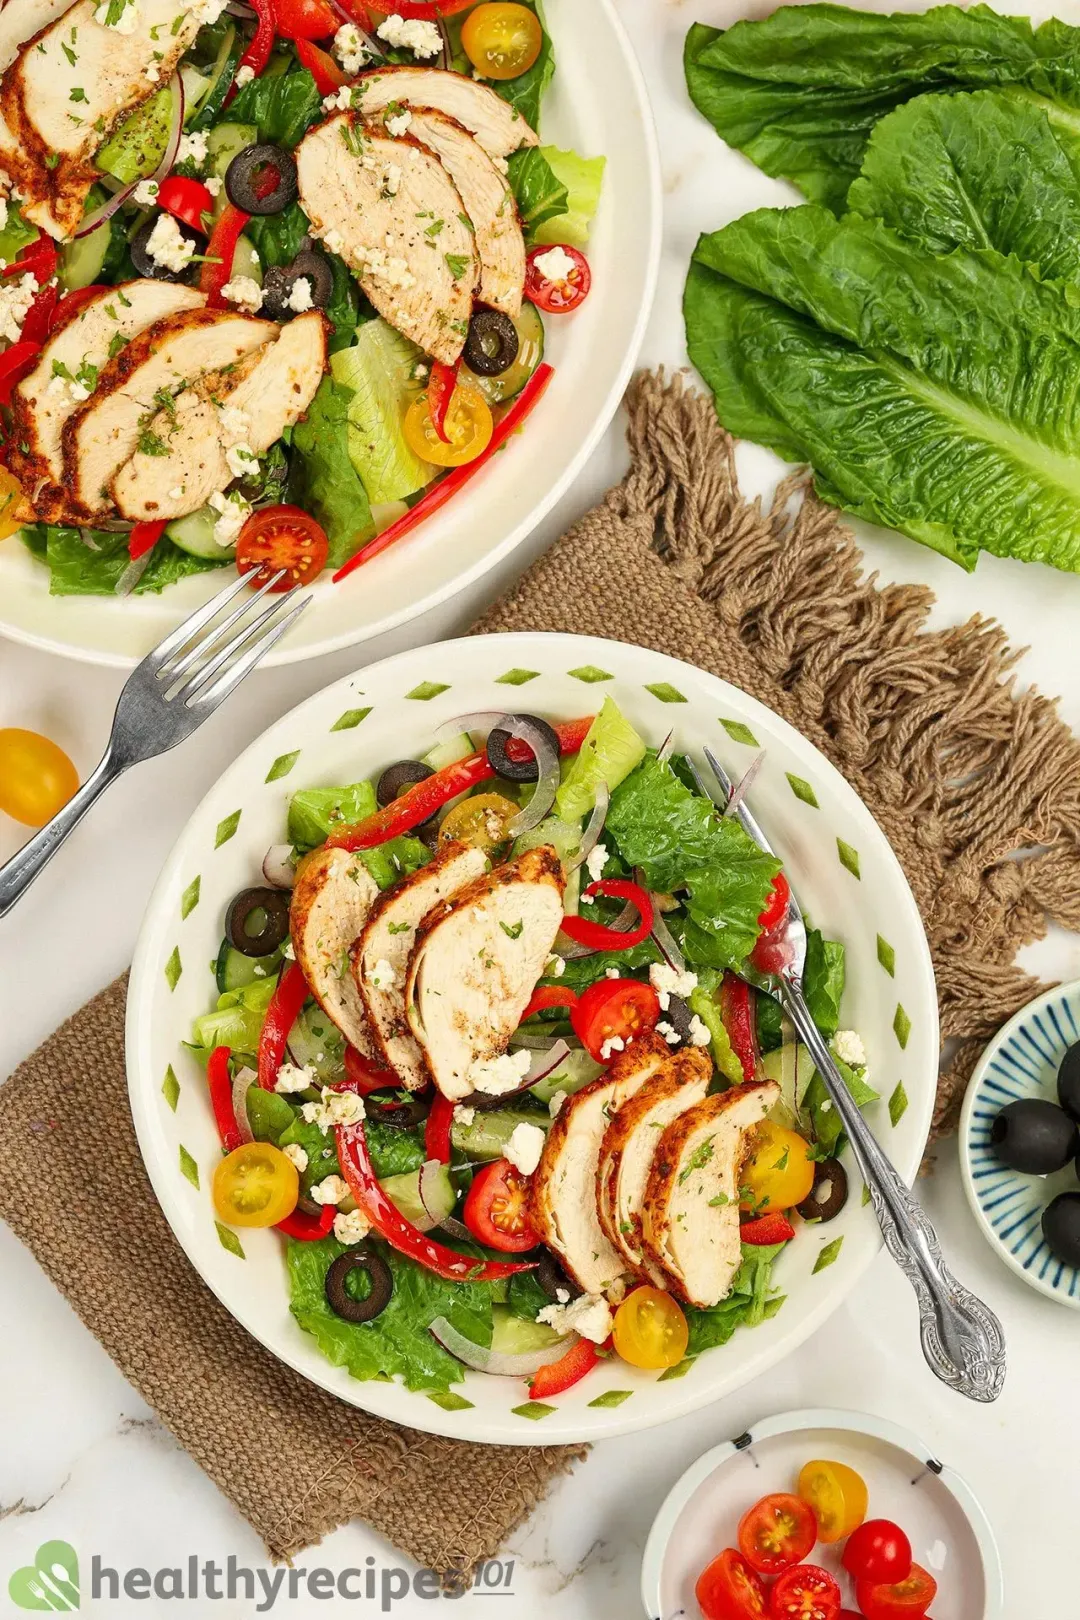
(1021, 1061)
(949, 1532)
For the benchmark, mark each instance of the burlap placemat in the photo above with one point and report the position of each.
(976, 787)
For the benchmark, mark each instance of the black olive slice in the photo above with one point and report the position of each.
(1034, 1136)
(680, 1018)
(280, 280)
(518, 770)
(401, 1116)
(145, 265)
(553, 1279)
(492, 344)
(829, 1193)
(258, 921)
(1061, 1227)
(396, 778)
(253, 170)
(339, 1299)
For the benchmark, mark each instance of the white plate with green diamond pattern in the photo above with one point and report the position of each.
(836, 856)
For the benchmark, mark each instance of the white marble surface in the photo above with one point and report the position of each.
(82, 1459)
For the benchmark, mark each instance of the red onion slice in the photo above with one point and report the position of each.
(573, 951)
(172, 144)
(483, 1360)
(743, 785)
(447, 57)
(481, 720)
(456, 1229)
(132, 574)
(106, 210)
(666, 749)
(665, 940)
(432, 1191)
(547, 782)
(371, 44)
(245, 1078)
(593, 828)
(279, 867)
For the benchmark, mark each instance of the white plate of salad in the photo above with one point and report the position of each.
(442, 1065)
(277, 300)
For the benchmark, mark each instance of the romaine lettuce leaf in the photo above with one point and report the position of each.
(749, 1303)
(540, 194)
(825, 1120)
(315, 812)
(397, 858)
(79, 568)
(823, 981)
(322, 478)
(237, 1019)
(379, 369)
(283, 105)
(582, 179)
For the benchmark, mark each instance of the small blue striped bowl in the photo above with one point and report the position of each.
(1021, 1061)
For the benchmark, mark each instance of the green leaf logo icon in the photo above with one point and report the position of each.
(50, 1582)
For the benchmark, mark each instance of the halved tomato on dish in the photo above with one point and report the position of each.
(908, 1599)
(282, 537)
(728, 1589)
(805, 1593)
(497, 1209)
(614, 1010)
(777, 1532)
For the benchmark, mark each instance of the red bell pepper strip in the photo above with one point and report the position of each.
(550, 995)
(39, 317)
(145, 536)
(598, 936)
(322, 67)
(262, 43)
(560, 1375)
(401, 1234)
(38, 259)
(437, 1129)
(220, 251)
(188, 199)
(15, 364)
(306, 1228)
(362, 1075)
(289, 996)
(440, 392)
(438, 495)
(219, 1079)
(422, 800)
(767, 1229)
(740, 1020)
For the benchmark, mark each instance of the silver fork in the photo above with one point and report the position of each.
(962, 1339)
(165, 699)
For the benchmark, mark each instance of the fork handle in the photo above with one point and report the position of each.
(962, 1339)
(23, 867)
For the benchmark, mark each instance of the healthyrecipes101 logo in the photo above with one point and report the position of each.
(51, 1582)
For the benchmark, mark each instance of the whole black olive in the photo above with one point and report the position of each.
(829, 1193)
(401, 1116)
(147, 266)
(1068, 1084)
(396, 778)
(1034, 1136)
(519, 770)
(262, 179)
(492, 344)
(258, 921)
(280, 281)
(553, 1279)
(1061, 1227)
(342, 1302)
(680, 1018)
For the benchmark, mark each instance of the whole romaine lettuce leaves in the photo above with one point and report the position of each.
(92, 566)
(557, 193)
(322, 478)
(379, 369)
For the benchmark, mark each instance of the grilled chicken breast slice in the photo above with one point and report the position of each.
(475, 963)
(252, 405)
(380, 957)
(47, 397)
(626, 1153)
(331, 900)
(690, 1218)
(104, 433)
(562, 1191)
(21, 20)
(399, 222)
(499, 128)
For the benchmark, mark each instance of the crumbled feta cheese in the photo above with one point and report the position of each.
(243, 291)
(340, 101)
(192, 149)
(849, 1048)
(464, 1116)
(300, 299)
(122, 16)
(334, 242)
(152, 73)
(235, 422)
(668, 1031)
(349, 48)
(391, 185)
(563, 1296)
(420, 371)
(244, 76)
(612, 973)
(420, 37)
(57, 385)
(336, 1108)
(525, 1147)
(233, 512)
(615, 1044)
(589, 1315)
(213, 184)
(668, 981)
(596, 860)
(555, 1102)
(145, 193)
(554, 967)
(496, 1075)
(78, 391)
(398, 123)
(242, 460)
(331, 1190)
(295, 1153)
(382, 975)
(555, 265)
(168, 246)
(205, 12)
(825, 1106)
(290, 1077)
(288, 951)
(15, 300)
(351, 1228)
(699, 1035)
(395, 272)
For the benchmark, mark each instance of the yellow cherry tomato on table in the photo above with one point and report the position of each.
(502, 41)
(480, 822)
(255, 1185)
(36, 777)
(837, 1495)
(650, 1329)
(469, 425)
(10, 496)
(779, 1172)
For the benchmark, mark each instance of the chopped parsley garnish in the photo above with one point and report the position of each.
(78, 94)
(398, 928)
(697, 1160)
(512, 931)
(457, 264)
(116, 343)
(165, 401)
(71, 56)
(151, 445)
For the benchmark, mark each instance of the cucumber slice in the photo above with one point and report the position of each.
(136, 147)
(611, 750)
(404, 1192)
(792, 1067)
(448, 753)
(530, 330)
(81, 259)
(246, 261)
(513, 1336)
(195, 535)
(563, 836)
(221, 77)
(314, 1039)
(223, 142)
(488, 1133)
(233, 970)
(576, 1070)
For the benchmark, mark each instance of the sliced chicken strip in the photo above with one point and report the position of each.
(20, 20)
(68, 367)
(104, 433)
(253, 406)
(562, 1191)
(331, 899)
(489, 202)
(397, 219)
(690, 1217)
(475, 964)
(380, 957)
(499, 128)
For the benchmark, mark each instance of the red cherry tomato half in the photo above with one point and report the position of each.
(878, 1551)
(552, 296)
(776, 906)
(777, 1532)
(728, 1589)
(282, 537)
(188, 199)
(908, 1599)
(614, 1010)
(305, 19)
(805, 1593)
(497, 1209)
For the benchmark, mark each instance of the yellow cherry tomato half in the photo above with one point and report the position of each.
(778, 1172)
(469, 426)
(255, 1185)
(10, 496)
(837, 1495)
(480, 822)
(650, 1329)
(36, 777)
(502, 41)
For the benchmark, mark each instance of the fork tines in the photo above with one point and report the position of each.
(201, 662)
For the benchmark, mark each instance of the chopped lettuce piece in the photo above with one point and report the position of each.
(89, 562)
(269, 1115)
(824, 1119)
(611, 750)
(15, 235)
(394, 859)
(379, 368)
(750, 1302)
(823, 981)
(322, 478)
(581, 178)
(315, 812)
(283, 105)
(237, 1020)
